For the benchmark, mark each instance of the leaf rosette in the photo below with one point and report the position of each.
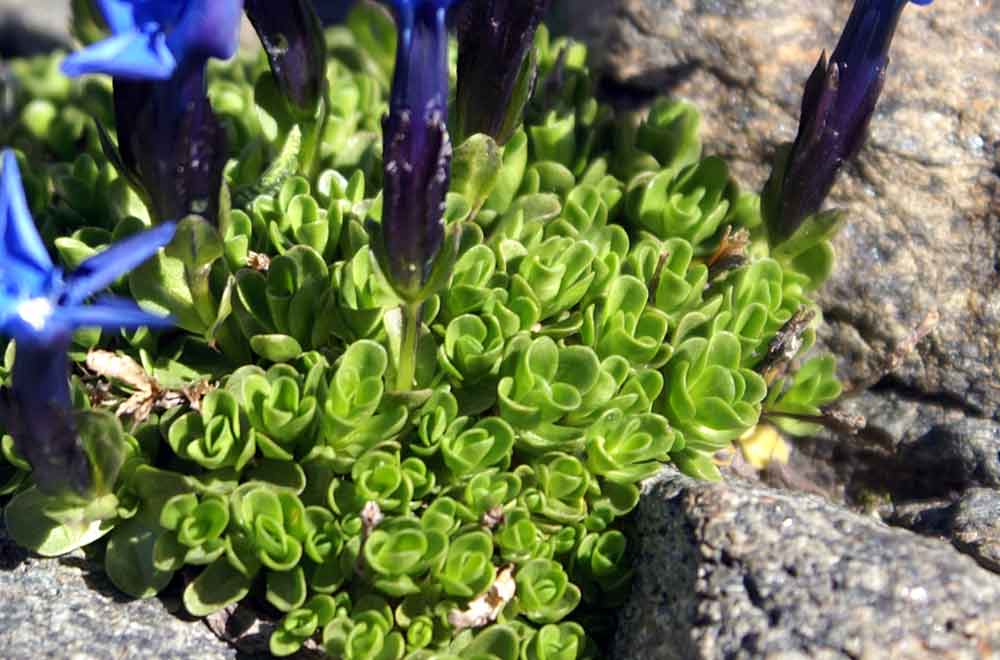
(627, 449)
(519, 539)
(623, 324)
(472, 348)
(379, 477)
(216, 437)
(561, 483)
(544, 592)
(565, 641)
(400, 551)
(467, 569)
(282, 312)
(278, 405)
(554, 276)
(676, 283)
(542, 382)
(813, 386)
(194, 531)
(485, 444)
(711, 399)
(352, 418)
(756, 302)
(273, 521)
(689, 204)
(601, 566)
(301, 624)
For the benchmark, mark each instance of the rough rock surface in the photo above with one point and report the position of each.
(742, 571)
(66, 608)
(923, 197)
(972, 523)
(32, 27)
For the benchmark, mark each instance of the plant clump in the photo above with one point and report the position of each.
(432, 471)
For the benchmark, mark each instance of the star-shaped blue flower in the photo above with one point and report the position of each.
(151, 38)
(37, 300)
(40, 307)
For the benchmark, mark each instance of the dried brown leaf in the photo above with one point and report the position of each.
(121, 367)
(487, 607)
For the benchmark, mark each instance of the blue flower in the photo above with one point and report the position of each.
(151, 38)
(415, 146)
(837, 107)
(40, 307)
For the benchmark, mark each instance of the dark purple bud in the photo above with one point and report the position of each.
(495, 38)
(416, 148)
(837, 107)
(172, 143)
(37, 406)
(292, 36)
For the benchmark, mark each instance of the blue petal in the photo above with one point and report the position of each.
(99, 271)
(20, 240)
(109, 312)
(127, 55)
(118, 14)
(207, 28)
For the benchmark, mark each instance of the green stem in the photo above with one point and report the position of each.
(205, 306)
(407, 368)
(312, 138)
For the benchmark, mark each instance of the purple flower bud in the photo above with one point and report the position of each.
(415, 146)
(495, 38)
(171, 143)
(292, 36)
(837, 107)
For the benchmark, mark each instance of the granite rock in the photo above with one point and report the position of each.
(738, 570)
(923, 197)
(67, 608)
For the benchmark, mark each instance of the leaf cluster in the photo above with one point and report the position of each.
(588, 333)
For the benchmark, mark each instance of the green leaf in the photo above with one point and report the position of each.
(196, 243)
(31, 529)
(286, 590)
(216, 587)
(276, 348)
(130, 561)
(475, 169)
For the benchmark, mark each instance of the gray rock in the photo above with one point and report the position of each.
(972, 523)
(975, 526)
(67, 608)
(923, 196)
(737, 570)
(28, 28)
(908, 452)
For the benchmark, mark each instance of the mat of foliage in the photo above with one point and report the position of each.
(600, 320)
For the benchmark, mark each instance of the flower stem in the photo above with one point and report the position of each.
(312, 138)
(407, 368)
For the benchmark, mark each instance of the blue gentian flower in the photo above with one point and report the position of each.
(151, 38)
(40, 307)
(495, 38)
(416, 148)
(837, 107)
